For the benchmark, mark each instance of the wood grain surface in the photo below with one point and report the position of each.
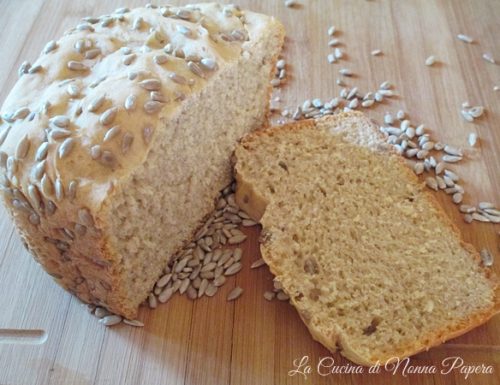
(251, 340)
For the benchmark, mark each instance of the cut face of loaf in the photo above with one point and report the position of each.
(115, 147)
(370, 261)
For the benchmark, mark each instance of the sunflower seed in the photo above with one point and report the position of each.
(466, 209)
(236, 239)
(211, 290)
(92, 53)
(95, 152)
(331, 30)
(38, 169)
(50, 46)
(450, 174)
(165, 295)
(439, 168)
(334, 42)
(65, 147)
(467, 116)
(331, 58)
(209, 64)
(448, 181)
(111, 320)
(491, 218)
(376, 52)
(77, 66)
(158, 97)
(418, 168)
(421, 154)
(269, 295)
(23, 147)
(353, 104)
(233, 269)
(47, 186)
(152, 301)
(35, 69)
(20, 113)
(134, 322)
(127, 141)
(479, 217)
(465, 38)
(219, 281)
(486, 205)
(60, 121)
(430, 60)
(457, 198)
(101, 312)
(451, 158)
(345, 72)
(85, 217)
(151, 84)
(282, 296)
(339, 54)
(127, 60)
(72, 187)
(237, 254)
(130, 102)
(152, 106)
(367, 103)
(486, 258)
(111, 133)
(431, 183)
(3, 134)
(476, 111)
(160, 59)
(489, 58)
(108, 116)
(472, 139)
(235, 293)
(24, 68)
(179, 79)
(95, 104)
(34, 218)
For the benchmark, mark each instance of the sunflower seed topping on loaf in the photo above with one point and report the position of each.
(131, 117)
(366, 255)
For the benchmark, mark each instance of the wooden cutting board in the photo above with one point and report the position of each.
(253, 341)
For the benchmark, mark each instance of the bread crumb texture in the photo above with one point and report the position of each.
(369, 259)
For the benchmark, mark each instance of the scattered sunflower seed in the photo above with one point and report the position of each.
(111, 320)
(376, 52)
(430, 60)
(465, 38)
(235, 293)
(489, 58)
(486, 258)
(472, 139)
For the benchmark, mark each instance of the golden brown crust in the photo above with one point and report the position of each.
(335, 339)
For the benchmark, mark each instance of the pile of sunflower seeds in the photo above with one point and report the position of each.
(349, 99)
(469, 113)
(434, 158)
(203, 265)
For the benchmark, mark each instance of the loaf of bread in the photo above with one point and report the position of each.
(117, 139)
(369, 259)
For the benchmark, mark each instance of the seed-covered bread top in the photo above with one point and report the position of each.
(87, 107)
(368, 258)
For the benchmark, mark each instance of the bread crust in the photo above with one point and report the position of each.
(255, 205)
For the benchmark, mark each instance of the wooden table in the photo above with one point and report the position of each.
(252, 341)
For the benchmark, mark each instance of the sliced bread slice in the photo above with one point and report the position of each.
(367, 256)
